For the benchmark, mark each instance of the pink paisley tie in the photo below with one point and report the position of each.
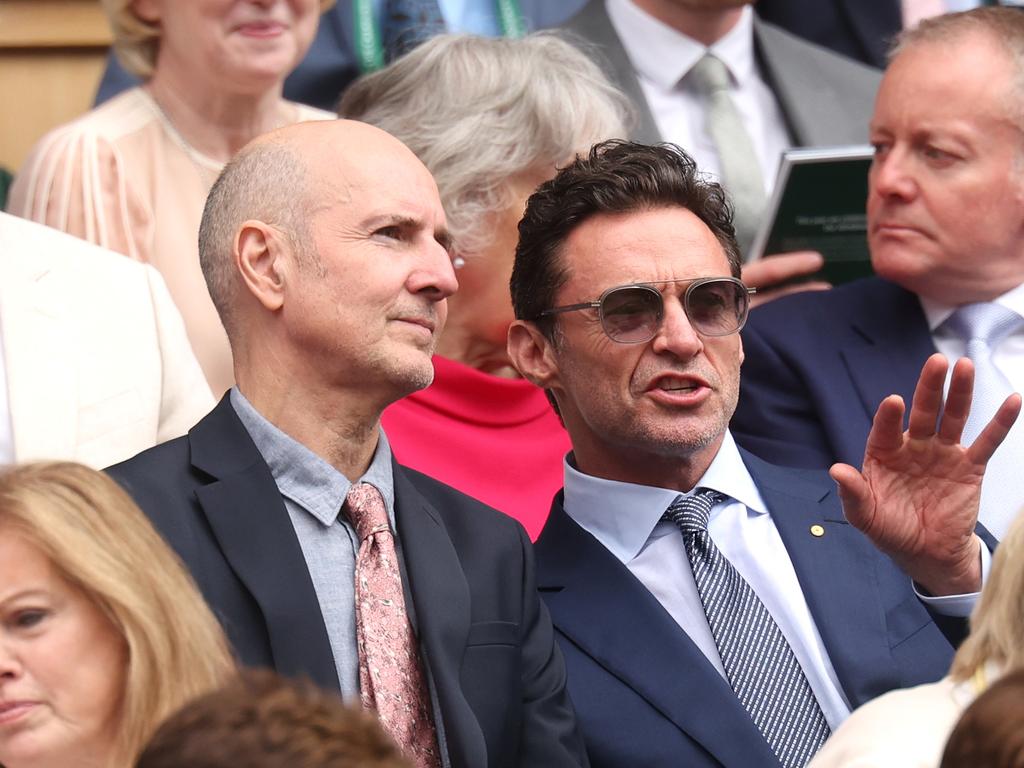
(390, 677)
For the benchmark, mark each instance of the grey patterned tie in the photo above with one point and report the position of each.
(760, 665)
(983, 326)
(741, 170)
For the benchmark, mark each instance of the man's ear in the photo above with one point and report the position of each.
(533, 354)
(261, 257)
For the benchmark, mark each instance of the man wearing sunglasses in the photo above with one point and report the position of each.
(714, 609)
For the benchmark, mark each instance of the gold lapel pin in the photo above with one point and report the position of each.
(817, 530)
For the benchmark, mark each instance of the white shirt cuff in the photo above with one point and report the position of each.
(959, 606)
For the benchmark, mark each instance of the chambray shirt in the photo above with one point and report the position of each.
(313, 493)
(743, 530)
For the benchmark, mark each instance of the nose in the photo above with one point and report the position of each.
(10, 667)
(434, 276)
(676, 336)
(890, 175)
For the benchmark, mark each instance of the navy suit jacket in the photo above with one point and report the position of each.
(817, 365)
(860, 29)
(497, 678)
(646, 696)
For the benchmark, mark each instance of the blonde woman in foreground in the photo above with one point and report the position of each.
(908, 728)
(102, 632)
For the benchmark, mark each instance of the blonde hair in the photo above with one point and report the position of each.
(136, 41)
(997, 624)
(100, 541)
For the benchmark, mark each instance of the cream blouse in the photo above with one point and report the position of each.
(122, 177)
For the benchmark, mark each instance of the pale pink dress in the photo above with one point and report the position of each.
(122, 177)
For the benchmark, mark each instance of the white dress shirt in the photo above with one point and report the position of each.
(626, 519)
(663, 56)
(1008, 355)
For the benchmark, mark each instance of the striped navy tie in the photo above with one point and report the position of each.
(760, 665)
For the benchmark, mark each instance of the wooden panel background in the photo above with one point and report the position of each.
(52, 54)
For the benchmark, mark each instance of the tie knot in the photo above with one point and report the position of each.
(691, 513)
(986, 321)
(710, 74)
(366, 510)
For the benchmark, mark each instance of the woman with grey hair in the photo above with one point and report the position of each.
(491, 119)
(132, 174)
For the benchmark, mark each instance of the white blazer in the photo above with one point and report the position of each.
(97, 363)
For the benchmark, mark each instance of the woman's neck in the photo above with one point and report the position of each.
(457, 344)
(214, 123)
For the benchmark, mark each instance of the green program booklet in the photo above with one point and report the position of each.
(818, 205)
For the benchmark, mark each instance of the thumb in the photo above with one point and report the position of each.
(855, 495)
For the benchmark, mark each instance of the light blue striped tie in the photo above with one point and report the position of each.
(760, 665)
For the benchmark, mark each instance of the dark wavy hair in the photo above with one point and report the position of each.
(615, 177)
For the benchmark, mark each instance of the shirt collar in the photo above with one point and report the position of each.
(305, 478)
(937, 313)
(663, 55)
(622, 516)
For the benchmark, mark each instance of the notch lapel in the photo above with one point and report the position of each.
(837, 572)
(248, 518)
(583, 585)
(439, 594)
(887, 348)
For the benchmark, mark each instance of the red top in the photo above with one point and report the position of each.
(495, 439)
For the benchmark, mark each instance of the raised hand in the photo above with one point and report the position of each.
(918, 493)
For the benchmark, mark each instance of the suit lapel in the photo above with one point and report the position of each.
(440, 599)
(39, 362)
(583, 585)
(836, 571)
(893, 338)
(592, 23)
(810, 102)
(249, 520)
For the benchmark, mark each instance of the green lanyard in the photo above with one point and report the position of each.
(370, 50)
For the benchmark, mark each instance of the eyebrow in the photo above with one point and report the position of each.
(31, 592)
(442, 236)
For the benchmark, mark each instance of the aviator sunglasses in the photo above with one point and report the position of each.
(632, 314)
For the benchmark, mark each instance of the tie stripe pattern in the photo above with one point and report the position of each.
(760, 665)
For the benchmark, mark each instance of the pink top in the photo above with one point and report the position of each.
(495, 439)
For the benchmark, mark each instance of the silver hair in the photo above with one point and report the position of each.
(480, 111)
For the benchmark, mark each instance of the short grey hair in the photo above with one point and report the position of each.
(480, 111)
(266, 181)
(1005, 26)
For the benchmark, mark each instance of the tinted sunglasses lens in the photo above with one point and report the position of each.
(716, 307)
(631, 313)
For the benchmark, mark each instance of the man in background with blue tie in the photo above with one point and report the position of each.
(946, 230)
(713, 609)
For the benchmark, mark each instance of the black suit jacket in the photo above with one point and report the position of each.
(496, 676)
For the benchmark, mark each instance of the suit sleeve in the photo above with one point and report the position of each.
(550, 735)
(776, 418)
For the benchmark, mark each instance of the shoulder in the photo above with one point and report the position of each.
(121, 116)
(306, 113)
(777, 42)
(462, 515)
(819, 311)
(157, 472)
(35, 250)
(905, 727)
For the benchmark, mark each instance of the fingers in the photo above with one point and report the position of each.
(763, 296)
(958, 401)
(855, 495)
(887, 427)
(774, 269)
(924, 412)
(995, 431)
